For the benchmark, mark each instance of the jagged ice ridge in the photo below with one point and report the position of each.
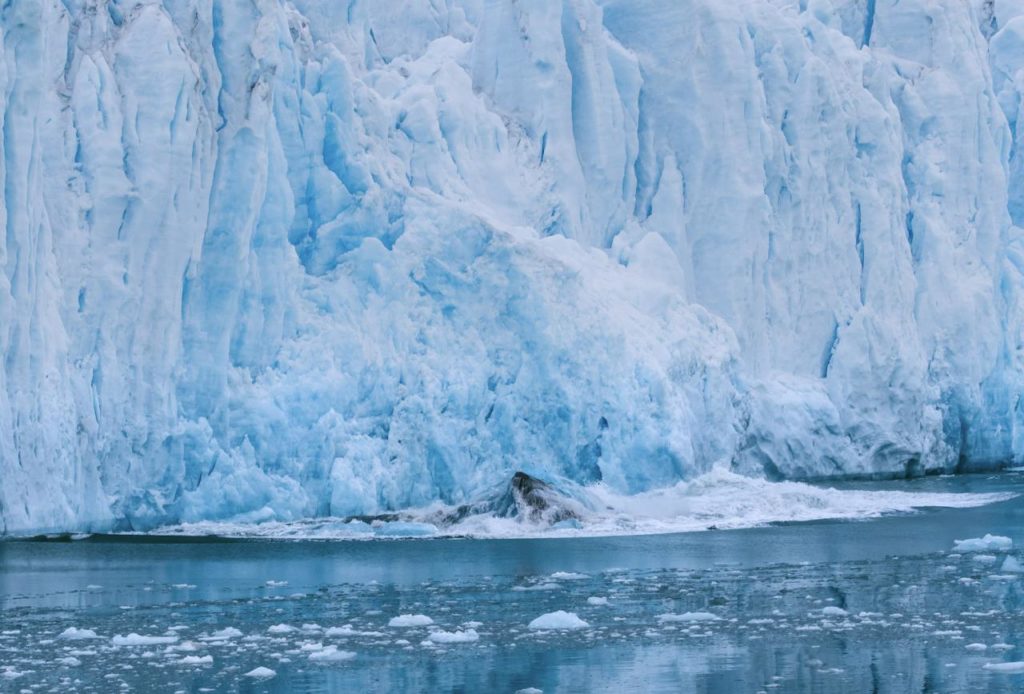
(268, 260)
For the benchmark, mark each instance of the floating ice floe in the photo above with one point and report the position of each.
(559, 619)
(331, 654)
(224, 634)
(261, 673)
(833, 611)
(75, 634)
(568, 576)
(1011, 667)
(410, 620)
(134, 639)
(689, 617)
(467, 636)
(989, 543)
(1012, 565)
(595, 600)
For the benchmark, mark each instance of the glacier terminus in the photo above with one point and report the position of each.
(276, 260)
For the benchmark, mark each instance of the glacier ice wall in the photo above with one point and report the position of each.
(268, 260)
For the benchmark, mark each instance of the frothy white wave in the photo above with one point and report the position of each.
(716, 500)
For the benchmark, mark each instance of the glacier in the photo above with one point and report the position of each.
(270, 261)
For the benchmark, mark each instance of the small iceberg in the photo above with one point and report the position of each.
(558, 620)
(989, 543)
(410, 620)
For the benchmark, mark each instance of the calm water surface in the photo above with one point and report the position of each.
(880, 605)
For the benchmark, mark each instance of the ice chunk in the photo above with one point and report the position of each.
(466, 636)
(134, 639)
(75, 634)
(568, 576)
(833, 611)
(260, 673)
(1009, 668)
(410, 620)
(1012, 565)
(330, 654)
(689, 617)
(559, 619)
(989, 543)
(196, 660)
(225, 634)
(595, 600)
(281, 629)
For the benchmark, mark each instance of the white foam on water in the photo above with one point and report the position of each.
(719, 499)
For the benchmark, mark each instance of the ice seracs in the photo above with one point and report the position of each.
(262, 268)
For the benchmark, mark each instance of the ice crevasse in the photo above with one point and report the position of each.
(268, 260)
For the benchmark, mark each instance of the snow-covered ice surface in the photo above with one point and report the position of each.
(829, 606)
(270, 261)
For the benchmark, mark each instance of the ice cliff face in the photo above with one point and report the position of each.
(266, 259)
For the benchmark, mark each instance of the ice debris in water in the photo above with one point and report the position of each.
(467, 636)
(410, 620)
(559, 619)
(225, 634)
(1012, 565)
(330, 654)
(689, 617)
(833, 611)
(1010, 667)
(75, 634)
(989, 543)
(261, 673)
(595, 600)
(134, 639)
